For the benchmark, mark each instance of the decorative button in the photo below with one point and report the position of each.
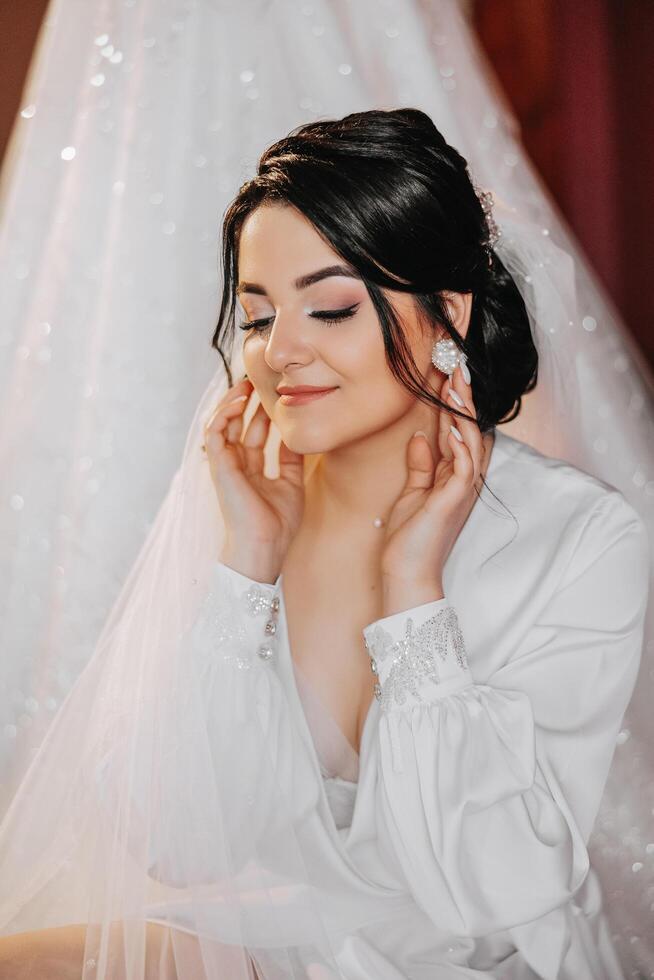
(373, 665)
(378, 691)
(258, 599)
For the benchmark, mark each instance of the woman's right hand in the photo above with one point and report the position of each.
(261, 515)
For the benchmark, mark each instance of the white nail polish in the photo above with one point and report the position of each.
(456, 397)
(465, 372)
(456, 433)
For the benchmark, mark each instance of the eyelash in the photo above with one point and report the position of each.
(328, 317)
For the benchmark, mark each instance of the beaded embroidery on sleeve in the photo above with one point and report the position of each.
(416, 656)
(225, 624)
(259, 600)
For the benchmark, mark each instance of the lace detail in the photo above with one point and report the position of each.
(415, 656)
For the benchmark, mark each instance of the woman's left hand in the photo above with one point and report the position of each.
(429, 514)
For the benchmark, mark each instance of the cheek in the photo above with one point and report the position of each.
(253, 359)
(356, 349)
(259, 373)
(361, 362)
(379, 400)
(250, 358)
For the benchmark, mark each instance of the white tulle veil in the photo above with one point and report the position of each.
(140, 806)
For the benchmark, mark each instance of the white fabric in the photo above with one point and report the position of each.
(479, 799)
(102, 290)
(337, 756)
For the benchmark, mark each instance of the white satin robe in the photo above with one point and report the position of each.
(477, 798)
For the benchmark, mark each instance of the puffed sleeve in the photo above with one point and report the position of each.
(487, 792)
(214, 755)
(232, 628)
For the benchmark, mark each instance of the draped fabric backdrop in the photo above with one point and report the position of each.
(139, 120)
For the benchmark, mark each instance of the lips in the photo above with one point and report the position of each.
(303, 389)
(303, 394)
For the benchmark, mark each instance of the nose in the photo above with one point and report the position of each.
(286, 344)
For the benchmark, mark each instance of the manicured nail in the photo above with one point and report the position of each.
(456, 433)
(464, 371)
(239, 399)
(457, 397)
(419, 432)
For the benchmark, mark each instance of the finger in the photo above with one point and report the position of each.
(216, 436)
(463, 392)
(257, 430)
(467, 426)
(221, 456)
(458, 401)
(420, 463)
(291, 465)
(462, 461)
(254, 440)
(234, 413)
(235, 426)
(445, 420)
(225, 459)
(243, 387)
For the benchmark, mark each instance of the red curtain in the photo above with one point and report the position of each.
(578, 76)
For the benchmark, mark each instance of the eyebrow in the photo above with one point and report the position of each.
(303, 281)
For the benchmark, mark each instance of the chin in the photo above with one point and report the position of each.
(302, 440)
(304, 446)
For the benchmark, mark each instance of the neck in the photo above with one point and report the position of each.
(351, 486)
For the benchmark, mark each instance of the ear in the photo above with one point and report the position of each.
(459, 306)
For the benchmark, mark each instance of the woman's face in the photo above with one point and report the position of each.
(294, 346)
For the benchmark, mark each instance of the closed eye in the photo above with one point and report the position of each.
(329, 317)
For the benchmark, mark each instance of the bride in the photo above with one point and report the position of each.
(354, 719)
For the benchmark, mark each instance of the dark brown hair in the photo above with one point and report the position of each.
(396, 201)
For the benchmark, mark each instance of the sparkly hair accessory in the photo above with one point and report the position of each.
(493, 233)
